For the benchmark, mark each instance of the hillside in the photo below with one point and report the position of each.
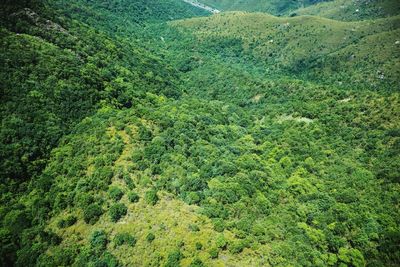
(352, 10)
(275, 7)
(346, 10)
(357, 53)
(140, 133)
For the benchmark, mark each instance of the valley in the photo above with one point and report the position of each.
(224, 133)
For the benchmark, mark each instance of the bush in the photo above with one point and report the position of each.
(69, 221)
(128, 181)
(84, 199)
(115, 193)
(194, 227)
(92, 213)
(150, 237)
(151, 197)
(219, 225)
(197, 263)
(98, 240)
(174, 258)
(221, 241)
(117, 211)
(214, 253)
(133, 197)
(193, 198)
(199, 246)
(105, 260)
(124, 238)
(237, 247)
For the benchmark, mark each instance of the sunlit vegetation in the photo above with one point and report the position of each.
(355, 53)
(276, 7)
(238, 139)
(352, 10)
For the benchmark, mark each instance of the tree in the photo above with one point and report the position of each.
(99, 240)
(117, 211)
(115, 193)
(92, 213)
(133, 197)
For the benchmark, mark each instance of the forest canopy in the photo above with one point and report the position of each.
(154, 133)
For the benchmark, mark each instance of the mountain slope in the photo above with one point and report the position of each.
(210, 141)
(352, 10)
(313, 47)
(275, 7)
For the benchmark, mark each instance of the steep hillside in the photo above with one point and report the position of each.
(347, 10)
(356, 53)
(126, 17)
(66, 68)
(275, 7)
(231, 140)
(352, 10)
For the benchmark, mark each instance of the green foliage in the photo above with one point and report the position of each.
(272, 6)
(220, 241)
(99, 240)
(351, 257)
(174, 258)
(133, 197)
(124, 239)
(68, 221)
(92, 213)
(196, 263)
(115, 193)
(199, 246)
(150, 237)
(194, 227)
(214, 252)
(117, 211)
(128, 181)
(151, 197)
(360, 10)
(275, 134)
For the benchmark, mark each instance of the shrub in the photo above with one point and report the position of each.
(98, 240)
(214, 253)
(151, 197)
(197, 263)
(105, 260)
(220, 241)
(237, 247)
(115, 193)
(193, 198)
(133, 197)
(84, 199)
(128, 181)
(124, 238)
(199, 246)
(174, 258)
(92, 213)
(68, 221)
(117, 211)
(150, 237)
(219, 225)
(194, 227)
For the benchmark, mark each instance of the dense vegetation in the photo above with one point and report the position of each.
(238, 139)
(347, 10)
(276, 7)
(352, 10)
(360, 54)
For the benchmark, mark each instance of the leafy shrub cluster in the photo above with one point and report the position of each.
(117, 211)
(124, 239)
